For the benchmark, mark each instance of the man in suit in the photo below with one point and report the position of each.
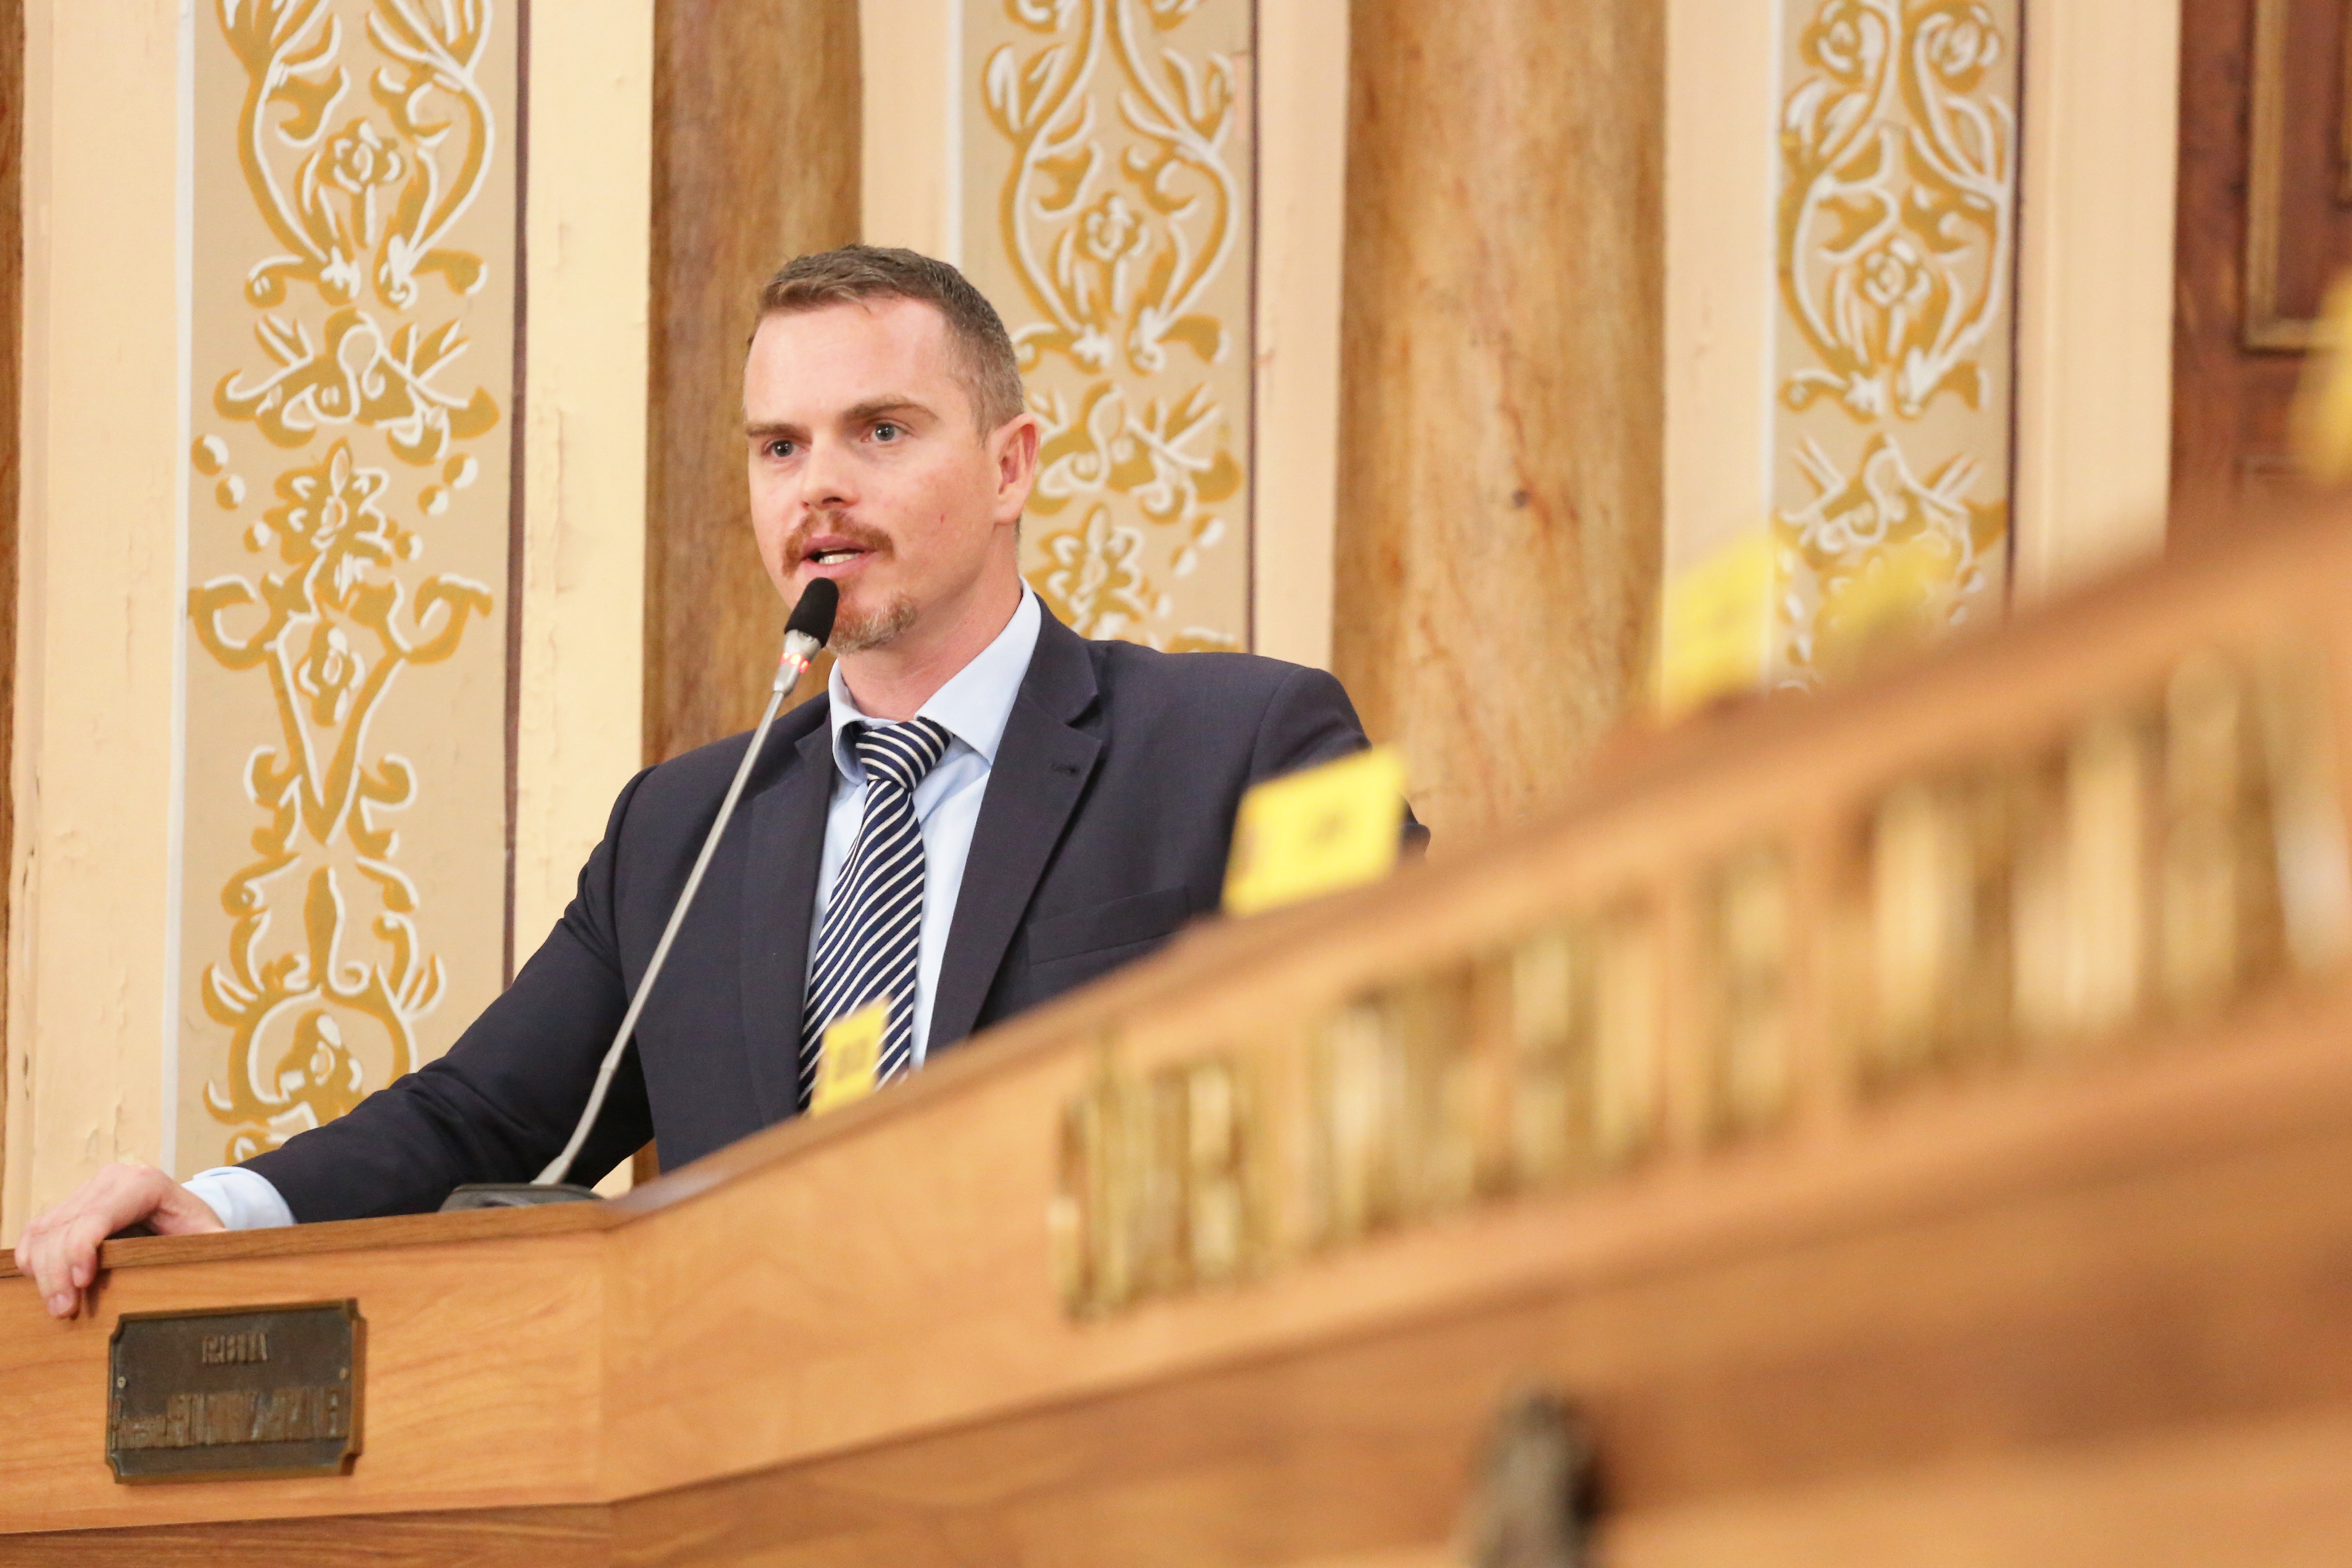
(982, 812)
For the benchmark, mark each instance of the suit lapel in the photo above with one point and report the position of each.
(780, 874)
(1042, 764)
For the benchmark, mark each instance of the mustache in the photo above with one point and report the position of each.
(863, 535)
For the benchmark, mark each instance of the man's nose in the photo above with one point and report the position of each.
(825, 481)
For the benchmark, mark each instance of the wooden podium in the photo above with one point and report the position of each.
(1911, 1126)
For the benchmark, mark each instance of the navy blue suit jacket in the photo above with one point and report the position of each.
(1104, 828)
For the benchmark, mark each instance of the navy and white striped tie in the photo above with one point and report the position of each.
(868, 947)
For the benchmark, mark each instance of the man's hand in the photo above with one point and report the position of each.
(59, 1249)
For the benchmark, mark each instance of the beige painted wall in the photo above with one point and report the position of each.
(585, 456)
(907, 161)
(581, 726)
(99, 621)
(102, 438)
(1721, 108)
(1302, 194)
(2094, 287)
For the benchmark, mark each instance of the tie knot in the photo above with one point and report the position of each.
(902, 754)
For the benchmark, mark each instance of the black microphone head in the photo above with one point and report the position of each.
(813, 616)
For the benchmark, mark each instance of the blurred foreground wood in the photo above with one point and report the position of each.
(1912, 1125)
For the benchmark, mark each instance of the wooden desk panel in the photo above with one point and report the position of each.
(1947, 1343)
(483, 1384)
(575, 1537)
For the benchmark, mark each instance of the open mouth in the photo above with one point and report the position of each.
(826, 551)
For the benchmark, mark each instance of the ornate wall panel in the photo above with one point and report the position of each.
(342, 872)
(1894, 373)
(1107, 208)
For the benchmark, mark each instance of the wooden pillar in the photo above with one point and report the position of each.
(1500, 480)
(755, 161)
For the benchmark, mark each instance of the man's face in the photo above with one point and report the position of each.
(867, 466)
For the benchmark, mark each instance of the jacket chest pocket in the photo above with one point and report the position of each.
(1137, 918)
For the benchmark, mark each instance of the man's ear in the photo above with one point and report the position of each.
(1014, 449)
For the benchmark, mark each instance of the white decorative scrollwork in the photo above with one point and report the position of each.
(1897, 243)
(1121, 212)
(360, 200)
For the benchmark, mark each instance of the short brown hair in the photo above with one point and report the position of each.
(989, 371)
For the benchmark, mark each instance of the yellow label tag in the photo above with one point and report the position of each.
(1316, 832)
(1715, 628)
(847, 1062)
(1898, 599)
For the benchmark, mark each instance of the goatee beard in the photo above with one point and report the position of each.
(857, 630)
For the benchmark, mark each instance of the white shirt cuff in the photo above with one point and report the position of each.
(244, 1199)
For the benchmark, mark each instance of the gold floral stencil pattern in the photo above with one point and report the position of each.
(1107, 172)
(353, 216)
(1897, 232)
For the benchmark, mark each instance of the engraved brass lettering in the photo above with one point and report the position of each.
(230, 1416)
(1159, 1187)
(224, 1350)
(2159, 855)
(1940, 926)
(1393, 1132)
(1749, 1066)
(1629, 1034)
(1587, 1044)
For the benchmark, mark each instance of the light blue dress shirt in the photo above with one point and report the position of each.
(973, 707)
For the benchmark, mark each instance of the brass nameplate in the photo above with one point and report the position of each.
(236, 1393)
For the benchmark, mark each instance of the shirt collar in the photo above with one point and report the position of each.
(974, 707)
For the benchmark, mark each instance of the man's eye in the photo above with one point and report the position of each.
(885, 431)
(779, 448)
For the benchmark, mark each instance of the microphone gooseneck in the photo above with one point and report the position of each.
(808, 629)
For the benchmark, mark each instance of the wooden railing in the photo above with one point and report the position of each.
(2057, 849)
